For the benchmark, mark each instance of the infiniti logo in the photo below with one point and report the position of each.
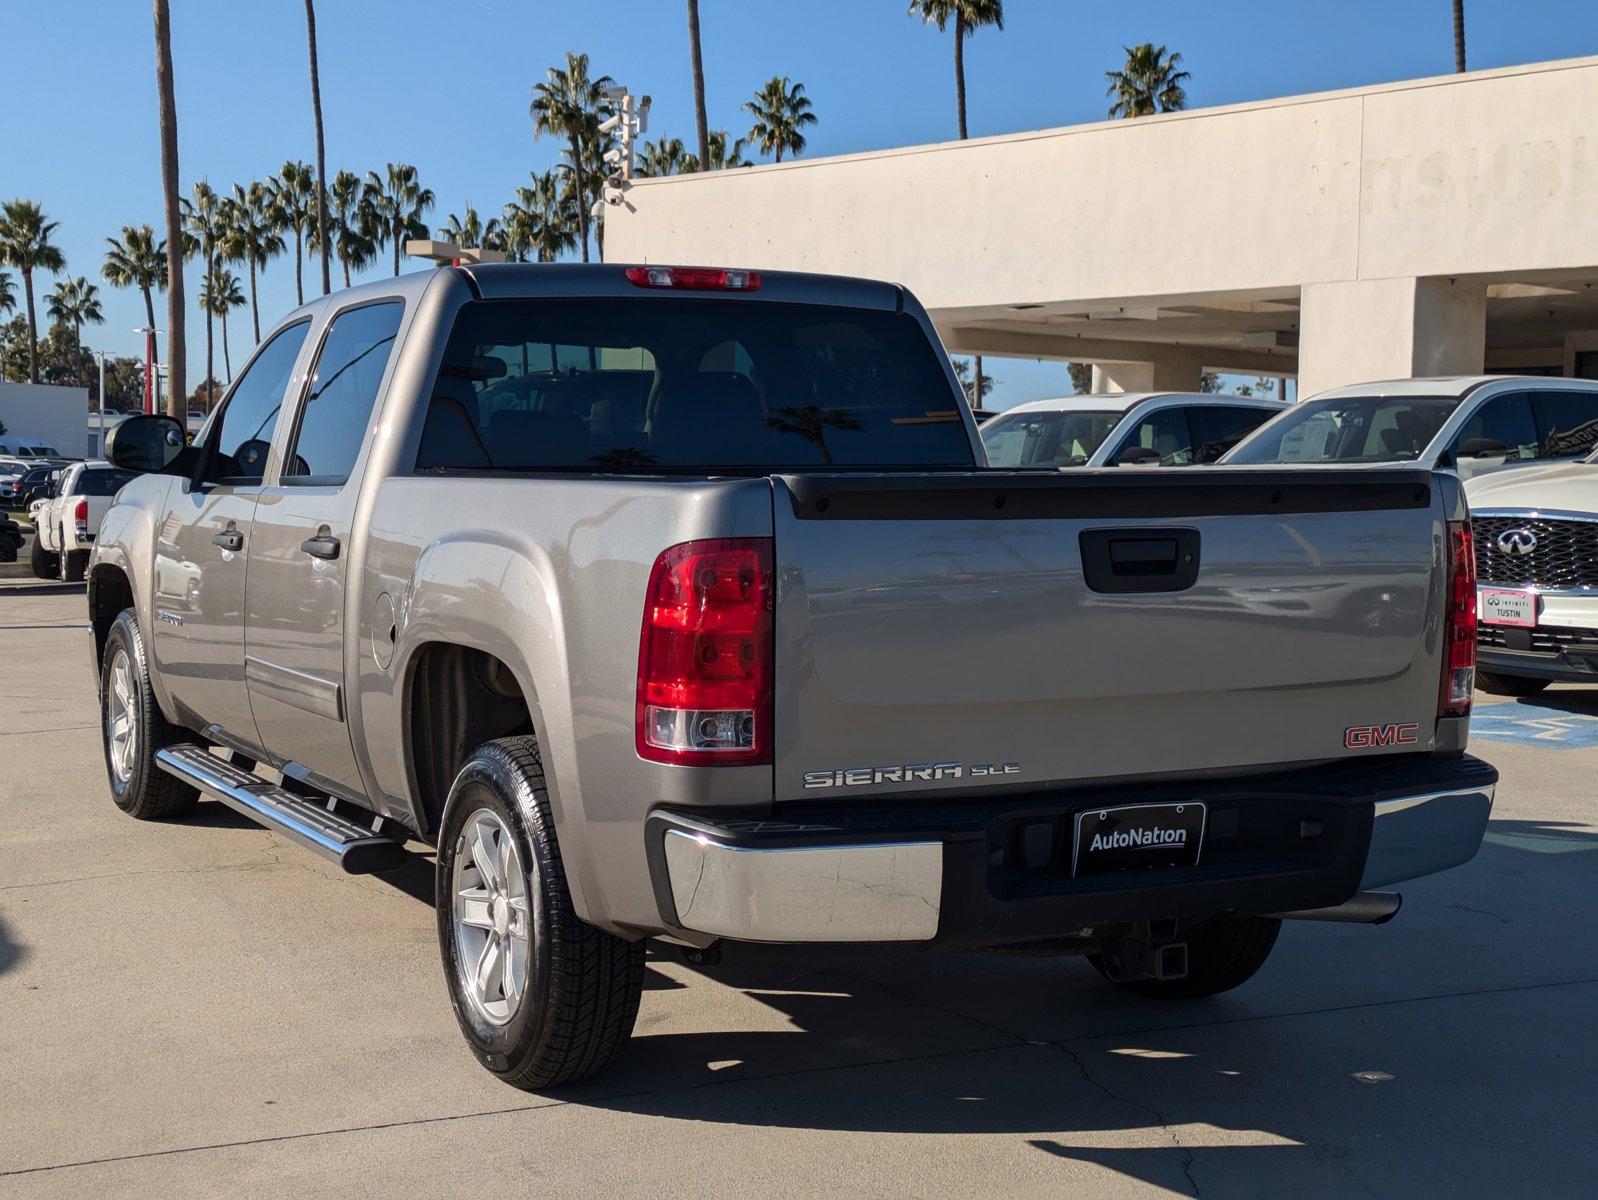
(1517, 541)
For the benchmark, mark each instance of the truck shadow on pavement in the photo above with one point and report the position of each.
(11, 952)
(1306, 1069)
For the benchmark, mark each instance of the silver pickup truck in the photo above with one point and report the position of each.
(679, 603)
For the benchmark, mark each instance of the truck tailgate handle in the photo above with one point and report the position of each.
(1139, 560)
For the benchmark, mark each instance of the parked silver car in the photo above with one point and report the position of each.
(1168, 429)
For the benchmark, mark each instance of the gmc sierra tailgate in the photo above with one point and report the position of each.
(1019, 629)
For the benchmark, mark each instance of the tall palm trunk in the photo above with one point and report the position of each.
(321, 150)
(1459, 35)
(582, 192)
(959, 69)
(176, 312)
(397, 235)
(227, 359)
(255, 312)
(149, 323)
(33, 327)
(210, 355)
(299, 264)
(345, 263)
(701, 125)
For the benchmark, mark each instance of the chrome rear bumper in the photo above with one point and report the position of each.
(1420, 835)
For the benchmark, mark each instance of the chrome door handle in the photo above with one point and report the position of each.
(321, 546)
(229, 539)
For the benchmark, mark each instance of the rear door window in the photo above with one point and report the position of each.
(1570, 423)
(342, 393)
(669, 383)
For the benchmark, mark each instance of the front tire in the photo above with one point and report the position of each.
(133, 728)
(1222, 953)
(1495, 684)
(544, 998)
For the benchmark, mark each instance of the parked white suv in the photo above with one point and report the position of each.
(1536, 534)
(1168, 429)
(66, 522)
(1469, 425)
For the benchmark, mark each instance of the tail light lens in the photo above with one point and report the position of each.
(695, 279)
(704, 658)
(1459, 623)
(80, 516)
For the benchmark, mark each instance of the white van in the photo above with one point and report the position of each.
(26, 447)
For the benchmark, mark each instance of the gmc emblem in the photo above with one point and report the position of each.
(1363, 737)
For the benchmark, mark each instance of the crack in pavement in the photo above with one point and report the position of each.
(1136, 1105)
(797, 1071)
(273, 861)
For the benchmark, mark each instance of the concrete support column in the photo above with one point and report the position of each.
(1368, 329)
(1178, 371)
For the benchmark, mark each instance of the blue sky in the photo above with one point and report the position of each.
(446, 85)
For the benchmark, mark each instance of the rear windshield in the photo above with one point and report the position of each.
(653, 382)
(100, 483)
(1047, 439)
(1349, 429)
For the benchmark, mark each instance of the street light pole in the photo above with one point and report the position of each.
(99, 431)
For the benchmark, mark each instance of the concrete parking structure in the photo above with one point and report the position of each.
(207, 1009)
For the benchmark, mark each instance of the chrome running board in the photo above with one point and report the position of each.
(358, 848)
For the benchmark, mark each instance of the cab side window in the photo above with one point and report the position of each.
(1219, 427)
(1161, 437)
(342, 393)
(1504, 420)
(1570, 423)
(239, 439)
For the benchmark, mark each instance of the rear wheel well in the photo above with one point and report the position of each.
(109, 594)
(457, 699)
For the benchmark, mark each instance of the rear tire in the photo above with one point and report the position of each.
(561, 996)
(1222, 953)
(132, 729)
(1495, 684)
(41, 562)
(70, 564)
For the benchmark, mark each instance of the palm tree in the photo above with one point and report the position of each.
(664, 156)
(74, 302)
(968, 17)
(567, 104)
(781, 112)
(1148, 83)
(219, 295)
(398, 203)
(323, 233)
(726, 152)
(471, 231)
(293, 208)
(1459, 35)
(811, 422)
(176, 313)
(350, 222)
(538, 222)
(252, 236)
(701, 127)
(203, 231)
(137, 259)
(25, 244)
(8, 295)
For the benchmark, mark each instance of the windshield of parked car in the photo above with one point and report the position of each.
(672, 383)
(1047, 439)
(103, 482)
(1348, 429)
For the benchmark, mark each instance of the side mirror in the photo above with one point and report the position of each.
(144, 444)
(1134, 455)
(1482, 448)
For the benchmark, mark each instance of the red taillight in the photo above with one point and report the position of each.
(80, 514)
(1459, 624)
(704, 658)
(695, 279)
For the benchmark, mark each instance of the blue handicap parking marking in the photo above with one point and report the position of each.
(1534, 725)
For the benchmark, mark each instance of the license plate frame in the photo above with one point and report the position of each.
(1513, 607)
(1114, 819)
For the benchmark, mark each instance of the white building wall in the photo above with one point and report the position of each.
(47, 413)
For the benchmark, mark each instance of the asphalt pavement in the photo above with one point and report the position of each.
(204, 1009)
